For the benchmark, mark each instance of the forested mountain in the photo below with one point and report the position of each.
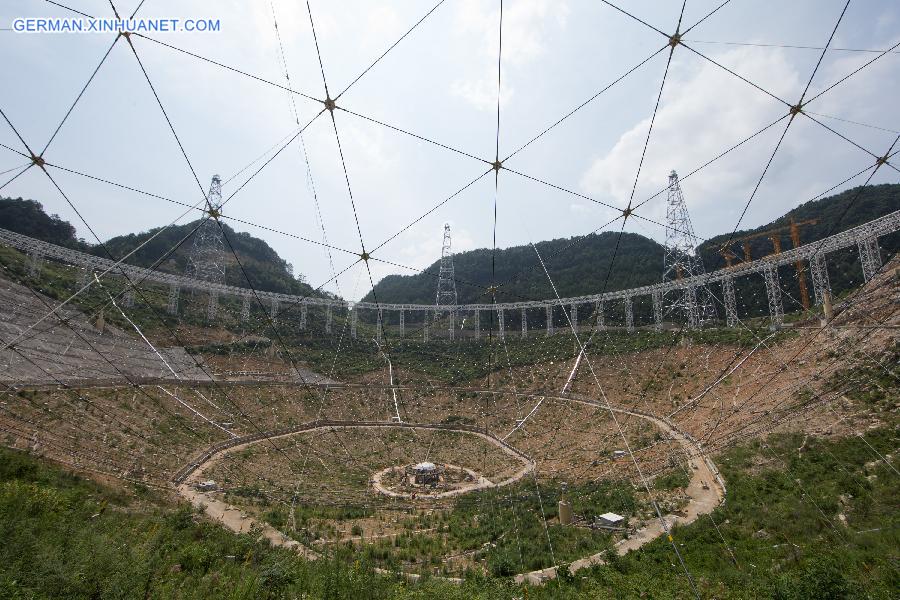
(28, 218)
(833, 214)
(580, 265)
(266, 269)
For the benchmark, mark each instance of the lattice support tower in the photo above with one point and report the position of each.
(402, 324)
(379, 336)
(206, 261)
(730, 300)
(446, 290)
(682, 261)
(425, 333)
(818, 268)
(524, 322)
(573, 316)
(812, 252)
(354, 319)
(869, 257)
(600, 315)
(452, 316)
(501, 326)
(477, 324)
(773, 293)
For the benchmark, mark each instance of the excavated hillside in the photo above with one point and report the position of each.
(718, 394)
(66, 347)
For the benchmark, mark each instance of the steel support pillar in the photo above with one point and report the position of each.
(174, 292)
(773, 293)
(819, 270)
(35, 260)
(629, 314)
(213, 307)
(656, 297)
(731, 318)
(477, 324)
(453, 323)
(598, 310)
(549, 319)
(402, 324)
(524, 322)
(691, 307)
(501, 328)
(245, 308)
(425, 335)
(869, 257)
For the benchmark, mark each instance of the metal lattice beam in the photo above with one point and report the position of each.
(773, 293)
(139, 275)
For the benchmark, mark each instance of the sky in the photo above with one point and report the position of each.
(393, 190)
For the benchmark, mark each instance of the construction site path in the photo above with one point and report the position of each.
(706, 491)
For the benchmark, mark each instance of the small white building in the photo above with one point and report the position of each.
(610, 520)
(207, 486)
(618, 454)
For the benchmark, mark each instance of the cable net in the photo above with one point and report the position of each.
(510, 436)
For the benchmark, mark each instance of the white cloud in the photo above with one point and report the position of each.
(526, 26)
(482, 93)
(580, 209)
(703, 111)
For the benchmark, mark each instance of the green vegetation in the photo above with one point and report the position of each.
(504, 528)
(579, 266)
(58, 281)
(267, 270)
(473, 359)
(67, 537)
(510, 523)
(28, 218)
(875, 386)
(670, 481)
(64, 536)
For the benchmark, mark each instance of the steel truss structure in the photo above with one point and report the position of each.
(681, 261)
(446, 290)
(864, 237)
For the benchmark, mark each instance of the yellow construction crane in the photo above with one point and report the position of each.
(775, 236)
